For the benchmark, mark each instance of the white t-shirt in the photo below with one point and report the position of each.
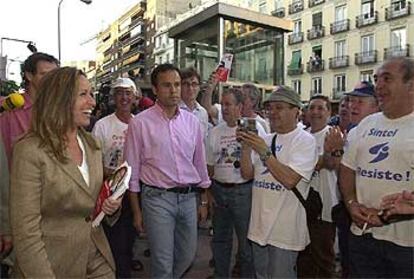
(325, 181)
(223, 150)
(277, 217)
(381, 152)
(201, 114)
(111, 132)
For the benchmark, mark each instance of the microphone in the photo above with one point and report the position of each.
(13, 101)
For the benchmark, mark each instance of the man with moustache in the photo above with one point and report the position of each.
(379, 161)
(164, 146)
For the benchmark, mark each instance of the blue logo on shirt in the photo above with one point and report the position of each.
(381, 152)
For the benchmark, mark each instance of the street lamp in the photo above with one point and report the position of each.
(3, 59)
(60, 3)
(30, 45)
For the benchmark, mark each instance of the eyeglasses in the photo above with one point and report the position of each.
(192, 84)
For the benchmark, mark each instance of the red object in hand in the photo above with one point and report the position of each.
(103, 195)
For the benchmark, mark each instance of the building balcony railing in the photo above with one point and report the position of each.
(366, 57)
(313, 3)
(316, 32)
(366, 19)
(338, 62)
(296, 6)
(132, 52)
(295, 70)
(136, 22)
(315, 65)
(398, 10)
(314, 92)
(279, 12)
(337, 93)
(340, 26)
(398, 51)
(295, 38)
(132, 40)
(132, 66)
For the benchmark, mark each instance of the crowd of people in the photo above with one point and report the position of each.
(285, 186)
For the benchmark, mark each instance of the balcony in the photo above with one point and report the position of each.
(316, 32)
(366, 57)
(295, 38)
(131, 40)
(366, 19)
(279, 12)
(337, 93)
(315, 65)
(313, 3)
(296, 7)
(397, 51)
(340, 26)
(338, 62)
(295, 70)
(314, 92)
(398, 10)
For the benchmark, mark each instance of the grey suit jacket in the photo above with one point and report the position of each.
(49, 208)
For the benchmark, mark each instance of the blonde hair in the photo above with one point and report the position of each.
(52, 115)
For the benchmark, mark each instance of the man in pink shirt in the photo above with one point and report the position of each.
(14, 123)
(164, 146)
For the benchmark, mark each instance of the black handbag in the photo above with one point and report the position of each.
(313, 203)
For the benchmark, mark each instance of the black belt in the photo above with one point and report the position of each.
(178, 190)
(231, 185)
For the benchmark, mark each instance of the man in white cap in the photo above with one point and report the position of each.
(111, 131)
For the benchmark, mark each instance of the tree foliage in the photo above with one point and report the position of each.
(7, 87)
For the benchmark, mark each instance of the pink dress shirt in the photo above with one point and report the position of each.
(165, 152)
(13, 124)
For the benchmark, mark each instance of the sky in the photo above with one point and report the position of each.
(36, 20)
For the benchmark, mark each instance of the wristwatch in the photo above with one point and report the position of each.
(337, 153)
(265, 155)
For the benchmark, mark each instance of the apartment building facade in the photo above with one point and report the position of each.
(337, 43)
(121, 47)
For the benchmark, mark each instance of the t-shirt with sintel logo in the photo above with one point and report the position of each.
(277, 217)
(381, 152)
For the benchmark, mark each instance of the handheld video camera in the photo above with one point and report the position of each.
(247, 124)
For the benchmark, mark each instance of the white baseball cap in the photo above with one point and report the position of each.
(124, 83)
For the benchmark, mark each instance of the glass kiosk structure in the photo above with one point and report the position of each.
(256, 40)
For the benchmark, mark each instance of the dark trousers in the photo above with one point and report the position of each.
(341, 218)
(232, 212)
(372, 258)
(121, 239)
(318, 259)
